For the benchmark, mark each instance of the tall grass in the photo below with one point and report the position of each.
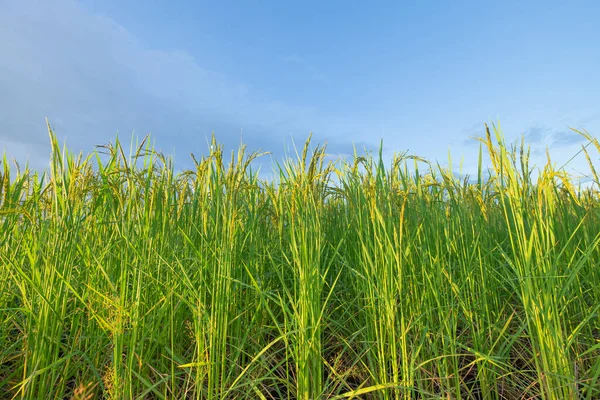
(121, 279)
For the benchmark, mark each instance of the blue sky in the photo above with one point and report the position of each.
(422, 76)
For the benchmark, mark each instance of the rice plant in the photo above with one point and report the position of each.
(122, 279)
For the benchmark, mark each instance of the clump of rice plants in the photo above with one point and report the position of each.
(122, 279)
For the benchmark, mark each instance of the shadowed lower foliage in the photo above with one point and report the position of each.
(121, 279)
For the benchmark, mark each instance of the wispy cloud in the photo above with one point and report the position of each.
(92, 78)
(566, 138)
(537, 135)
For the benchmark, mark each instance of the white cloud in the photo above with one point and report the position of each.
(92, 78)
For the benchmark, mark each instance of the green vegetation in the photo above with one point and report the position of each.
(120, 279)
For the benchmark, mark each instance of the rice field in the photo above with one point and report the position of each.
(363, 279)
